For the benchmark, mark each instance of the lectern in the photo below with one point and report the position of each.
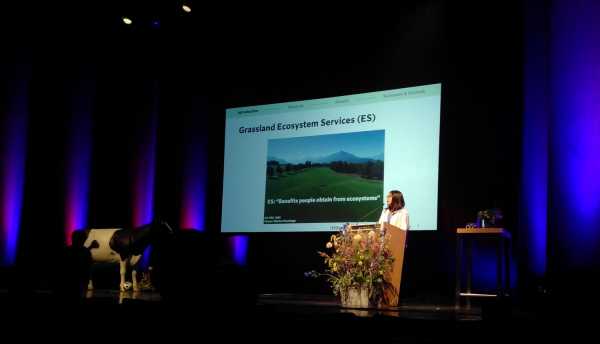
(397, 246)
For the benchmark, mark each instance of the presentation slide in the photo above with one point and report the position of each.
(318, 164)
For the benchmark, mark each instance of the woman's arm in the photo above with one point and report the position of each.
(382, 217)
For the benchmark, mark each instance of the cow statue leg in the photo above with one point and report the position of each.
(123, 270)
(134, 264)
(90, 285)
(134, 280)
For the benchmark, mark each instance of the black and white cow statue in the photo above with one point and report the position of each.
(124, 246)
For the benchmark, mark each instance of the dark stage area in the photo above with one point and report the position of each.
(275, 317)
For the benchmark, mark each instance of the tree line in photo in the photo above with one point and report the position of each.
(372, 169)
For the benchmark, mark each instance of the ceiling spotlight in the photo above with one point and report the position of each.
(127, 21)
(186, 8)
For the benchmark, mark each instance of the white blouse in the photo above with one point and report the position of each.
(398, 218)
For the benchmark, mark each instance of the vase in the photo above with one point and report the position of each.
(356, 298)
(364, 298)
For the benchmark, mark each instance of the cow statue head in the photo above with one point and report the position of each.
(134, 241)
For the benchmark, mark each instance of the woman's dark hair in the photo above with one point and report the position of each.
(397, 200)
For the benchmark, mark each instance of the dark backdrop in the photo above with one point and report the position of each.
(215, 58)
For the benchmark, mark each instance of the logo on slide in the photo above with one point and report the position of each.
(325, 178)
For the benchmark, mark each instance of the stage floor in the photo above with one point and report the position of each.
(122, 296)
(280, 317)
(426, 318)
(423, 308)
(317, 304)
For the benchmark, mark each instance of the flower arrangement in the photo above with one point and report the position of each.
(357, 260)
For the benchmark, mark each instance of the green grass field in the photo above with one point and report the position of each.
(323, 182)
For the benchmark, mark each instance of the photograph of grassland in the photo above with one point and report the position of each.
(325, 178)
